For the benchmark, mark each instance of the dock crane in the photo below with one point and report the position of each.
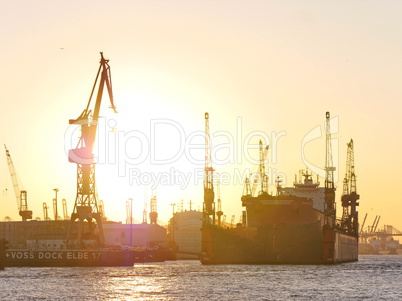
(328, 231)
(86, 205)
(329, 207)
(209, 204)
(153, 215)
(219, 213)
(349, 196)
(20, 195)
(45, 212)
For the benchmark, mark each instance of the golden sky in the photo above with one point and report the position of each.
(260, 68)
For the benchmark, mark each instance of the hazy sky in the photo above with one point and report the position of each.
(260, 68)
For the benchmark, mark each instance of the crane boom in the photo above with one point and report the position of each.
(20, 195)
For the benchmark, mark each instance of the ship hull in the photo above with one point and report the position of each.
(286, 244)
(69, 258)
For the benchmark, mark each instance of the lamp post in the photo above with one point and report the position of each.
(131, 222)
(173, 222)
(56, 214)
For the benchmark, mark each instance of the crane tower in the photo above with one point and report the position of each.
(349, 196)
(20, 195)
(209, 204)
(329, 208)
(86, 206)
(153, 215)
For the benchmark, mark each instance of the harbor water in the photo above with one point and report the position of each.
(371, 278)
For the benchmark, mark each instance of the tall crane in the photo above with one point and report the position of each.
(20, 195)
(145, 212)
(219, 213)
(261, 171)
(209, 204)
(86, 205)
(65, 211)
(153, 215)
(329, 208)
(349, 196)
(45, 212)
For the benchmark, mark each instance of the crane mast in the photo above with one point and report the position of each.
(349, 196)
(153, 215)
(261, 170)
(86, 206)
(209, 204)
(329, 208)
(20, 195)
(219, 213)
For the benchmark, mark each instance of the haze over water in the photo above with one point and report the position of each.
(371, 278)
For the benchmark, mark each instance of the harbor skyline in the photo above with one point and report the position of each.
(262, 69)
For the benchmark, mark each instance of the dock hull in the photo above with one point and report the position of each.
(69, 258)
(290, 244)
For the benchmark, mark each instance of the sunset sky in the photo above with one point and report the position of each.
(260, 68)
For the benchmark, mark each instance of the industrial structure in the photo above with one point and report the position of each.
(350, 197)
(296, 226)
(209, 195)
(86, 207)
(20, 194)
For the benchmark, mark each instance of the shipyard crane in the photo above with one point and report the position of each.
(261, 171)
(65, 211)
(56, 216)
(153, 215)
(20, 195)
(129, 215)
(262, 177)
(329, 207)
(328, 231)
(45, 212)
(219, 213)
(145, 213)
(86, 205)
(349, 196)
(209, 204)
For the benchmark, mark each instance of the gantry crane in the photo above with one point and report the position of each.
(86, 205)
(45, 212)
(329, 208)
(209, 204)
(262, 177)
(153, 215)
(20, 195)
(219, 213)
(65, 211)
(349, 196)
(328, 231)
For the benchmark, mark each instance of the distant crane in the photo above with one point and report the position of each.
(329, 208)
(20, 195)
(259, 176)
(328, 230)
(232, 221)
(349, 196)
(153, 215)
(45, 212)
(56, 216)
(145, 212)
(209, 204)
(65, 212)
(129, 214)
(86, 205)
(219, 213)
